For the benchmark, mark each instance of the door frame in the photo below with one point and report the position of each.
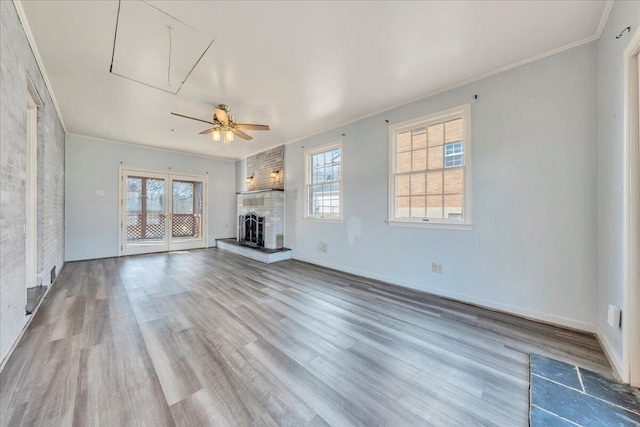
(168, 177)
(631, 223)
(31, 187)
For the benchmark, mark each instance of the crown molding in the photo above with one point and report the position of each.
(34, 49)
(596, 36)
(604, 18)
(154, 147)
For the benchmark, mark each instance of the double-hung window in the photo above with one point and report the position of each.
(430, 163)
(324, 182)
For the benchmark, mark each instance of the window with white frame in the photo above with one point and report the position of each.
(430, 168)
(324, 182)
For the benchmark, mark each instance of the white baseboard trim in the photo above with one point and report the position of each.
(539, 316)
(614, 358)
(26, 326)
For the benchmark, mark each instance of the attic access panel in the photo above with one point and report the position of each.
(153, 48)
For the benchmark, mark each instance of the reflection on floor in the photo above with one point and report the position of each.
(34, 295)
(565, 395)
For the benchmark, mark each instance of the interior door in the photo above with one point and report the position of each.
(188, 219)
(144, 218)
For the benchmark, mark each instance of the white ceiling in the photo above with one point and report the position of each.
(300, 67)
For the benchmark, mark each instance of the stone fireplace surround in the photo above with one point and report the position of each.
(264, 197)
(268, 203)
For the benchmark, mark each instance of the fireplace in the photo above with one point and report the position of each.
(261, 218)
(251, 229)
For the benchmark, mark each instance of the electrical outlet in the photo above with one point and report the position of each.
(96, 239)
(322, 247)
(436, 267)
(99, 193)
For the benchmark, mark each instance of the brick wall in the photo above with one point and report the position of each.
(16, 61)
(260, 166)
(270, 205)
(431, 189)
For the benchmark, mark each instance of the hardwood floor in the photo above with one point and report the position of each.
(211, 338)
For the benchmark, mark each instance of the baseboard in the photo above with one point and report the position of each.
(151, 253)
(26, 326)
(612, 356)
(537, 316)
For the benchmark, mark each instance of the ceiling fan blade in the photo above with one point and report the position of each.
(221, 116)
(204, 132)
(193, 118)
(247, 126)
(242, 134)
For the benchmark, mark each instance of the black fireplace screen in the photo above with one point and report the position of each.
(251, 230)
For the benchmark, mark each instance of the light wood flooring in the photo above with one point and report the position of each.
(212, 338)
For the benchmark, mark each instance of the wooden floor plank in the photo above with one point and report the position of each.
(211, 338)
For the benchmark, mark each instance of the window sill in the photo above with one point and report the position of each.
(328, 220)
(430, 224)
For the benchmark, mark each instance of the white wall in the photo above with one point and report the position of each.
(93, 164)
(533, 246)
(241, 175)
(611, 168)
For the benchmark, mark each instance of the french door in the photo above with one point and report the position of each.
(161, 212)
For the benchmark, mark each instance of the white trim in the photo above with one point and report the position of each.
(328, 220)
(460, 111)
(596, 36)
(481, 302)
(36, 53)
(630, 371)
(152, 147)
(33, 92)
(31, 188)
(609, 351)
(308, 152)
(604, 17)
(461, 83)
(430, 224)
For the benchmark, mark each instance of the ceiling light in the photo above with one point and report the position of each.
(249, 179)
(228, 136)
(215, 135)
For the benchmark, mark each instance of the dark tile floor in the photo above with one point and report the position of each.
(565, 395)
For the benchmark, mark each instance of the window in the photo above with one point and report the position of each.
(430, 167)
(324, 182)
(453, 154)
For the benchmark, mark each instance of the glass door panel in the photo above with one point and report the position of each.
(187, 213)
(144, 217)
(162, 212)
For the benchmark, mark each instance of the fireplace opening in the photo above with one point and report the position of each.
(251, 230)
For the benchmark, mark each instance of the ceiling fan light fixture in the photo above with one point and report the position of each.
(228, 136)
(216, 135)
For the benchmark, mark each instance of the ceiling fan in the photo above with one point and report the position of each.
(225, 126)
